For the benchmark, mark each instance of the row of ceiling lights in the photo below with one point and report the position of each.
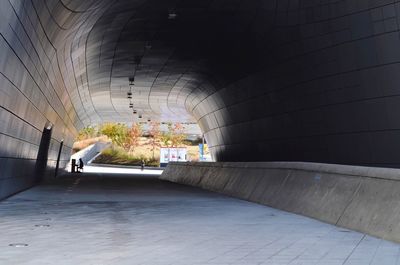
(129, 96)
(137, 59)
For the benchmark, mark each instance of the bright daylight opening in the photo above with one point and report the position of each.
(137, 148)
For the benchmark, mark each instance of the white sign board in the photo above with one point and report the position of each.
(182, 153)
(164, 155)
(172, 154)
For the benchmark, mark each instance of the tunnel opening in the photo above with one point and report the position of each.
(140, 144)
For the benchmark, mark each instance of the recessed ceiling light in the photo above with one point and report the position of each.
(172, 15)
(131, 80)
(42, 225)
(18, 245)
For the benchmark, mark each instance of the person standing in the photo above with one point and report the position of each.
(80, 167)
(142, 165)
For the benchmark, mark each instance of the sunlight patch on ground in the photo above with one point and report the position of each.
(121, 170)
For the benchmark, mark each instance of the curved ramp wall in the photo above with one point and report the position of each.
(359, 198)
(266, 80)
(32, 93)
(328, 92)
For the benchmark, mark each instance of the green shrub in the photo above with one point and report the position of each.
(87, 133)
(117, 132)
(118, 156)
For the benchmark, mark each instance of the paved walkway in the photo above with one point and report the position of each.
(120, 219)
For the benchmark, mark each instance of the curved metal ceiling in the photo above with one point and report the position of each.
(264, 79)
(172, 49)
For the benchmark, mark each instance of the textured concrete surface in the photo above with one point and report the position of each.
(360, 198)
(119, 219)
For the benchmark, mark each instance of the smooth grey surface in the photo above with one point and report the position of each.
(360, 198)
(121, 219)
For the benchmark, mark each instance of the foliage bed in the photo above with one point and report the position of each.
(118, 156)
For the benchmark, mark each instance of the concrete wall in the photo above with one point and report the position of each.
(329, 90)
(87, 154)
(267, 80)
(360, 198)
(32, 94)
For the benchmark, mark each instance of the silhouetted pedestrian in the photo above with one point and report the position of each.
(142, 165)
(80, 165)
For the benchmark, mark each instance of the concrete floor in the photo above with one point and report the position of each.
(121, 219)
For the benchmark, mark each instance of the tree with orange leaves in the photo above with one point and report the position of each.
(154, 135)
(134, 134)
(177, 134)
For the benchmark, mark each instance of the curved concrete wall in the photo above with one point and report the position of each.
(32, 96)
(360, 198)
(329, 92)
(266, 80)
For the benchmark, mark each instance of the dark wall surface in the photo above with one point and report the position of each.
(266, 80)
(331, 93)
